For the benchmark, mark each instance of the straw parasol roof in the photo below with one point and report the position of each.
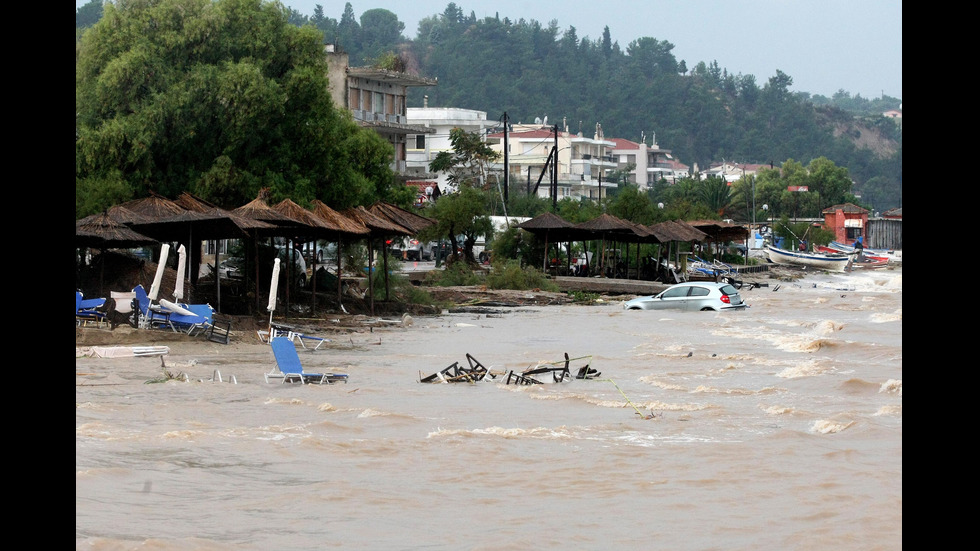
(375, 223)
(687, 231)
(154, 207)
(719, 230)
(307, 222)
(259, 209)
(616, 228)
(662, 233)
(196, 204)
(124, 215)
(675, 230)
(554, 227)
(340, 223)
(545, 221)
(404, 218)
(101, 231)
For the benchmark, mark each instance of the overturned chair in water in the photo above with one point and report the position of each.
(560, 371)
(456, 373)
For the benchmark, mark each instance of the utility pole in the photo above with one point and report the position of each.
(554, 177)
(506, 165)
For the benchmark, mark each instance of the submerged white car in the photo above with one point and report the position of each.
(692, 295)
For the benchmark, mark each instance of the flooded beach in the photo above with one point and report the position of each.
(775, 427)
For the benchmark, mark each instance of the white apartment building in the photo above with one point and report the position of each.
(650, 163)
(582, 162)
(421, 149)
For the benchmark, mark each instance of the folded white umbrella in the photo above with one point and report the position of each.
(274, 287)
(155, 288)
(181, 268)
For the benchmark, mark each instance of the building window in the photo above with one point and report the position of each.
(420, 141)
(378, 102)
(355, 98)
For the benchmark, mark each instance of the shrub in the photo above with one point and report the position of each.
(584, 296)
(456, 274)
(508, 274)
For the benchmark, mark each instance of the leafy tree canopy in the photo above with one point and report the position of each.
(219, 98)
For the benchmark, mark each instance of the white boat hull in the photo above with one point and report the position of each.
(833, 263)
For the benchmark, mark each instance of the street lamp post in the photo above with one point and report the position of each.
(753, 206)
(765, 207)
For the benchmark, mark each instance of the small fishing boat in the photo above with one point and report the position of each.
(839, 247)
(837, 262)
(860, 260)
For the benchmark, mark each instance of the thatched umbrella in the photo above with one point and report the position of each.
(101, 231)
(720, 231)
(671, 231)
(283, 226)
(344, 228)
(380, 227)
(231, 221)
(607, 225)
(220, 224)
(313, 227)
(404, 218)
(550, 224)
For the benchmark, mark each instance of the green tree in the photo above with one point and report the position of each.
(468, 163)
(630, 204)
(466, 212)
(715, 193)
(219, 98)
(88, 15)
(832, 182)
(349, 34)
(381, 31)
(461, 214)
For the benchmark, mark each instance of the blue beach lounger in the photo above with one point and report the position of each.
(291, 369)
(87, 310)
(197, 319)
(149, 315)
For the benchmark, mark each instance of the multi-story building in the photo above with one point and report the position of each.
(422, 148)
(732, 171)
(377, 99)
(582, 162)
(650, 164)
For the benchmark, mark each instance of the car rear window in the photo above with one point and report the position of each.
(728, 290)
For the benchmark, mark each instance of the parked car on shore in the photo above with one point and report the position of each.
(692, 296)
(413, 249)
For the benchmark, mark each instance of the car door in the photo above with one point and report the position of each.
(673, 298)
(699, 297)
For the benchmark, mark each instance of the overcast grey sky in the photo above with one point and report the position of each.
(824, 45)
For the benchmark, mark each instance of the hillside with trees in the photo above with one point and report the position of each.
(697, 109)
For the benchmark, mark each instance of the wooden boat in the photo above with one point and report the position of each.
(831, 262)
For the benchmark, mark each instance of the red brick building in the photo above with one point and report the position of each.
(847, 221)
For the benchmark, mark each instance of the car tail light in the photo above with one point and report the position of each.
(725, 299)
